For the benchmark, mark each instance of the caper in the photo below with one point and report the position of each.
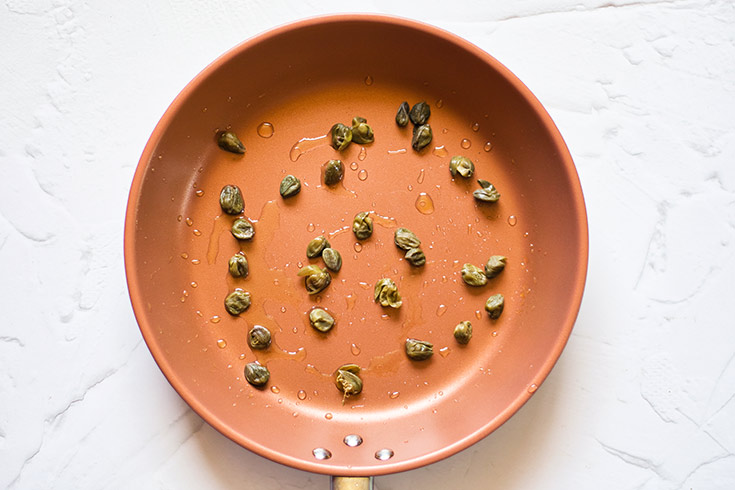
(332, 259)
(333, 171)
(316, 279)
(422, 136)
(462, 166)
(290, 186)
(259, 337)
(227, 140)
(415, 257)
(256, 374)
(494, 306)
(419, 350)
(238, 265)
(230, 199)
(402, 114)
(341, 136)
(386, 293)
(495, 266)
(487, 192)
(237, 301)
(420, 113)
(473, 275)
(361, 132)
(463, 332)
(362, 226)
(348, 380)
(316, 246)
(321, 320)
(405, 239)
(242, 229)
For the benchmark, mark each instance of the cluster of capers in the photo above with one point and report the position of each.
(476, 276)
(259, 338)
(406, 240)
(231, 202)
(342, 135)
(418, 115)
(316, 279)
(463, 166)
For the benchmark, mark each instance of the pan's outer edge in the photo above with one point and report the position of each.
(138, 302)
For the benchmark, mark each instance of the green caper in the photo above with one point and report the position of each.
(386, 293)
(237, 301)
(402, 114)
(405, 239)
(290, 186)
(259, 337)
(419, 350)
(463, 332)
(332, 172)
(487, 192)
(348, 381)
(230, 199)
(256, 374)
(316, 246)
(361, 132)
(462, 166)
(420, 113)
(242, 229)
(321, 320)
(422, 136)
(495, 266)
(228, 141)
(494, 306)
(316, 279)
(362, 226)
(473, 275)
(238, 265)
(332, 259)
(341, 136)
(415, 257)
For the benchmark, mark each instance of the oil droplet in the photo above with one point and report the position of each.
(439, 103)
(241, 356)
(215, 319)
(183, 298)
(354, 165)
(445, 131)
(301, 395)
(221, 343)
(275, 389)
(532, 387)
(512, 220)
(394, 394)
(444, 351)
(295, 414)
(328, 416)
(184, 255)
(355, 350)
(441, 310)
(396, 152)
(364, 285)
(409, 187)
(368, 80)
(179, 218)
(488, 146)
(478, 314)
(193, 284)
(440, 151)
(199, 313)
(189, 222)
(310, 227)
(358, 247)
(305, 144)
(420, 178)
(362, 175)
(363, 153)
(475, 127)
(265, 130)
(424, 203)
(195, 261)
(199, 193)
(197, 233)
(295, 330)
(351, 299)
(465, 143)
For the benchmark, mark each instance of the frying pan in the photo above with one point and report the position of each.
(300, 79)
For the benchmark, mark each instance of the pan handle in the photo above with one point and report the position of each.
(352, 483)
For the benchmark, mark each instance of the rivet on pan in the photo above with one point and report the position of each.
(384, 454)
(353, 440)
(321, 453)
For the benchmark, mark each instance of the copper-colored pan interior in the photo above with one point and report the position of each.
(302, 79)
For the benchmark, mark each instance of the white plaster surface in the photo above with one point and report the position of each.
(643, 397)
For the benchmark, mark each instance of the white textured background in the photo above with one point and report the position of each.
(644, 94)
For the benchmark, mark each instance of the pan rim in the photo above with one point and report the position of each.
(379, 468)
